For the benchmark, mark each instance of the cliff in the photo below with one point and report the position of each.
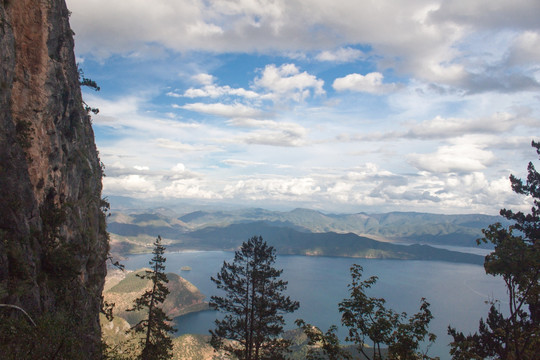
(53, 242)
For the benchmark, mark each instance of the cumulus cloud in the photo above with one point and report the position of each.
(188, 189)
(426, 39)
(204, 79)
(134, 185)
(341, 55)
(370, 83)
(286, 81)
(453, 158)
(469, 78)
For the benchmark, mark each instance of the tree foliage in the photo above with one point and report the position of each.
(391, 335)
(516, 258)
(53, 335)
(324, 345)
(156, 343)
(254, 304)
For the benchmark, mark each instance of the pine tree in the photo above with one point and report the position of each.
(156, 343)
(516, 259)
(253, 304)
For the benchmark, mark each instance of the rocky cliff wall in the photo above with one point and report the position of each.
(53, 242)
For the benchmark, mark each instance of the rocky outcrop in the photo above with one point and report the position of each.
(53, 242)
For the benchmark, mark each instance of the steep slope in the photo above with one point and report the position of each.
(53, 242)
(183, 298)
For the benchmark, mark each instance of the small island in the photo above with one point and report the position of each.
(185, 268)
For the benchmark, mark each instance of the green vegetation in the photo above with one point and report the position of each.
(253, 304)
(517, 260)
(122, 290)
(52, 336)
(368, 318)
(84, 81)
(133, 282)
(156, 343)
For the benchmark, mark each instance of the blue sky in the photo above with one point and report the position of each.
(341, 106)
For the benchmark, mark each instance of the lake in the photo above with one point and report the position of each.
(457, 292)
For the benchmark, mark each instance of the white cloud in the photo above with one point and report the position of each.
(214, 91)
(211, 90)
(182, 147)
(420, 37)
(453, 158)
(462, 116)
(241, 163)
(188, 189)
(179, 168)
(275, 188)
(204, 79)
(269, 132)
(341, 55)
(134, 185)
(286, 81)
(370, 83)
(225, 110)
(440, 127)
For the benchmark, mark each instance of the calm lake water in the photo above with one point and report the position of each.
(457, 292)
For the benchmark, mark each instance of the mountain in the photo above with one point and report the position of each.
(133, 232)
(408, 227)
(122, 289)
(292, 242)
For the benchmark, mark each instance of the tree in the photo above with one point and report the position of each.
(254, 304)
(327, 342)
(516, 258)
(368, 317)
(156, 343)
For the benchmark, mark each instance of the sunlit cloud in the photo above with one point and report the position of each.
(370, 83)
(287, 82)
(290, 103)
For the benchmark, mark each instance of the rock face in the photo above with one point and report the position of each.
(53, 242)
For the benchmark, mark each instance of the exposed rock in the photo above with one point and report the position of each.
(53, 243)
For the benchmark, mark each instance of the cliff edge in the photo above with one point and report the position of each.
(53, 240)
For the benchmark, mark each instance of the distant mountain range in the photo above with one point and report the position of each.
(304, 232)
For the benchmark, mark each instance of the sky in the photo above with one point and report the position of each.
(339, 106)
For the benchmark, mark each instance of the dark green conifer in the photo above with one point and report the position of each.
(517, 259)
(253, 303)
(156, 343)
